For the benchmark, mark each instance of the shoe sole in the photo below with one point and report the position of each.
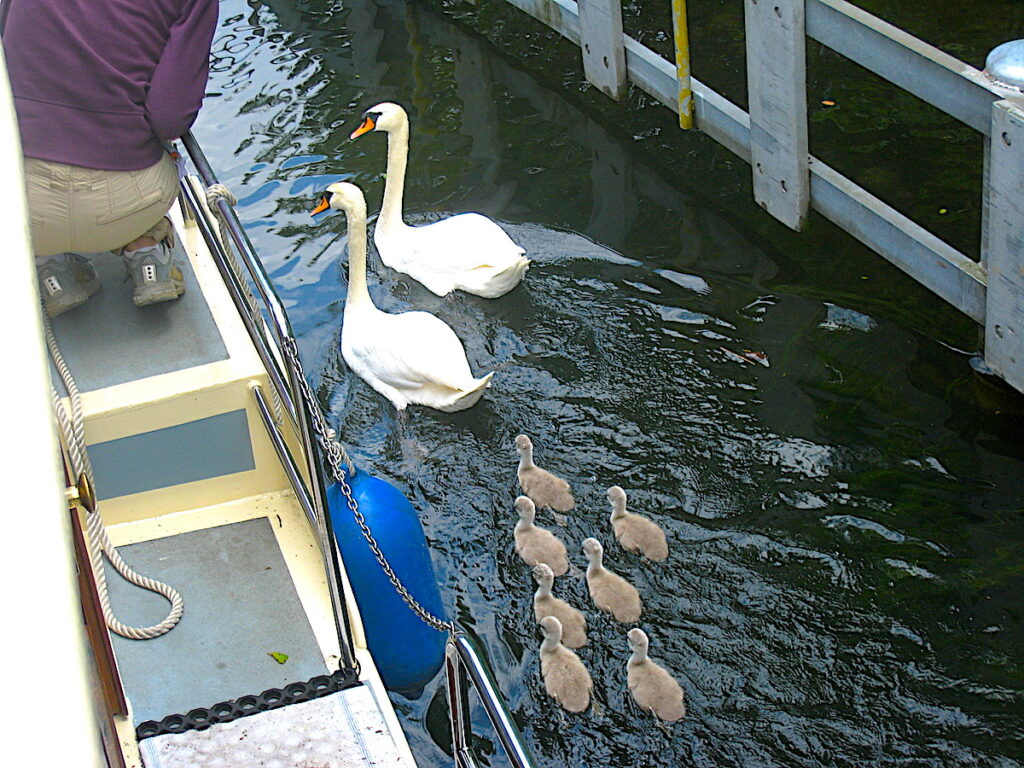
(155, 294)
(73, 297)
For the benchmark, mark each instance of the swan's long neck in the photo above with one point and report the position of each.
(358, 294)
(544, 590)
(595, 566)
(550, 643)
(524, 524)
(526, 458)
(639, 656)
(618, 510)
(398, 155)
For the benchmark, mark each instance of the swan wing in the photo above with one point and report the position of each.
(468, 251)
(469, 240)
(410, 349)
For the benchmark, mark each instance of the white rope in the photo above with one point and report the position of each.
(74, 429)
(215, 193)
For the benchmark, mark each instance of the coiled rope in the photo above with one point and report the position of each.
(73, 427)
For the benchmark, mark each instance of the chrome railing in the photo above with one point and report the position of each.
(464, 661)
(270, 330)
(464, 664)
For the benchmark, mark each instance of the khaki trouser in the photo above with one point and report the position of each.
(88, 210)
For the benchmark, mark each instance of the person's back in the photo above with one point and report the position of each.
(102, 83)
(100, 86)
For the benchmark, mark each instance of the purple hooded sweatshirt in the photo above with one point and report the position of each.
(102, 83)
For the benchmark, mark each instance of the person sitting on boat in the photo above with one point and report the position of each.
(99, 87)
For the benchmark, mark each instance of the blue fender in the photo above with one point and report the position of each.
(407, 652)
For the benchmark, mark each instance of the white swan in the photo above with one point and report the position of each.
(609, 591)
(411, 357)
(565, 678)
(653, 689)
(543, 488)
(538, 545)
(468, 252)
(574, 624)
(635, 532)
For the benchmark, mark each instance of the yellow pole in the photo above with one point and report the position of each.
(682, 39)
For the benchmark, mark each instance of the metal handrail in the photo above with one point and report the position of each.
(462, 653)
(286, 382)
(235, 290)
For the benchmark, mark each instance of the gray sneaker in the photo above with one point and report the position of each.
(155, 273)
(66, 281)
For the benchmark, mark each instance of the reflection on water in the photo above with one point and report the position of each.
(843, 503)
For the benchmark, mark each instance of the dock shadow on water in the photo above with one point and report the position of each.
(842, 500)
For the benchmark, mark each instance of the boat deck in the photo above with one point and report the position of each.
(193, 494)
(109, 341)
(241, 606)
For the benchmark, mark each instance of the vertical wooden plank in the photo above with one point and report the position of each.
(682, 45)
(776, 85)
(604, 58)
(1003, 243)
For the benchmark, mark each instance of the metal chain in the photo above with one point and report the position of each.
(335, 457)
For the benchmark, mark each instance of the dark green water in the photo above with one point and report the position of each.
(846, 528)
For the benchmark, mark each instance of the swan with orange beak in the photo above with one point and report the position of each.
(466, 252)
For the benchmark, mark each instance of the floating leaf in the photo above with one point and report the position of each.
(733, 356)
(942, 210)
(828, 103)
(280, 658)
(757, 357)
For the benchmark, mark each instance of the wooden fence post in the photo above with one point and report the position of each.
(1003, 243)
(776, 85)
(604, 56)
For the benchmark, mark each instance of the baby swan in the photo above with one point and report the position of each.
(544, 488)
(565, 678)
(538, 545)
(574, 625)
(609, 591)
(652, 687)
(635, 532)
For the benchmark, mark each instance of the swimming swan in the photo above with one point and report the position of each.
(544, 488)
(565, 678)
(609, 591)
(468, 252)
(538, 545)
(411, 357)
(635, 532)
(653, 689)
(574, 625)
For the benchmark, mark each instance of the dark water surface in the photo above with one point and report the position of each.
(846, 569)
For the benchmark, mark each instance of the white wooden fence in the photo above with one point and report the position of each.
(788, 179)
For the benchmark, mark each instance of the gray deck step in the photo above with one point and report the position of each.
(108, 340)
(240, 605)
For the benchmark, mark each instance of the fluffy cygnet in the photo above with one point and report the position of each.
(652, 687)
(565, 678)
(544, 488)
(635, 532)
(609, 591)
(574, 625)
(538, 545)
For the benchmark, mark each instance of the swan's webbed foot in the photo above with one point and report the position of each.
(662, 726)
